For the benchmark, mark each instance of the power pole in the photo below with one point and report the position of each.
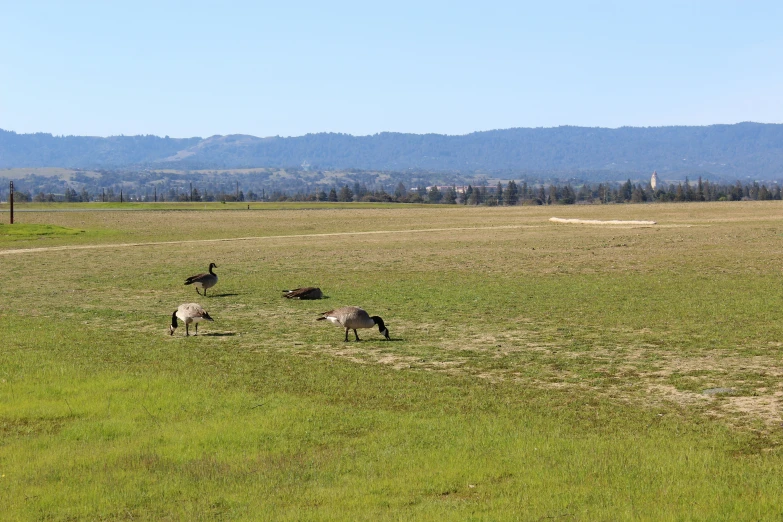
(11, 200)
(120, 195)
(156, 193)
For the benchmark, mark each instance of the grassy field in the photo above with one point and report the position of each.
(537, 371)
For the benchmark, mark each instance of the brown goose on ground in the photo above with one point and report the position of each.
(205, 280)
(188, 313)
(353, 317)
(307, 292)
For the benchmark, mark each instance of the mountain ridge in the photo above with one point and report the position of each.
(746, 149)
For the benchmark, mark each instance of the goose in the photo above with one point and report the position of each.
(308, 292)
(188, 313)
(353, 317)
(205, 280)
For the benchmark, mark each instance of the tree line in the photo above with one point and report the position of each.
(505, 194)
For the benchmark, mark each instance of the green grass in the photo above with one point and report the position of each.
(33, 231)
(537, 372)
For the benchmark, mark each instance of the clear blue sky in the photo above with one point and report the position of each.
(289, 68)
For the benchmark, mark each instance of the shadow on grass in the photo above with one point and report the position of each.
(218, 334)
(374, 341)
(223, 295)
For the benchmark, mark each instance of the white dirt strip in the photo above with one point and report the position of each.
(598, 222)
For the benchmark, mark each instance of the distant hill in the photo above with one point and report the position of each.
(744, 150)
(84, 152)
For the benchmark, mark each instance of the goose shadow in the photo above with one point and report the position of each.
(376, 341)
(218, 334)
(223, 295)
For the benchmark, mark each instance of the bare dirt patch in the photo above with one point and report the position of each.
(573, 221)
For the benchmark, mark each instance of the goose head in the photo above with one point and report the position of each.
(381, 327)
(173, 325)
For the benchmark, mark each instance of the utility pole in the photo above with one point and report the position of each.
(103, 196)
(156, 193)
(191, 191)
(11, 200)
(120, 195)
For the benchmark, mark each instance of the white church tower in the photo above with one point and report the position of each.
(654, 180)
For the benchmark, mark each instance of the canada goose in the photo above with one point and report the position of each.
(188, 313)
(308, 292)
(205, 280)
(353, 317)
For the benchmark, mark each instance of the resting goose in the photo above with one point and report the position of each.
(353, 317)
(308, 292)
(205, 280)
(188, 313)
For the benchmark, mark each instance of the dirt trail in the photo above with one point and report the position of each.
(251, 238)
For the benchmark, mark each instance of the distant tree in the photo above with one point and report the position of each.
(21, 196)
(475, 196)
(541, 196)
(333, 195)
(434, 195)
(511, 194)
(552, 195)
(466, 197)
(450, 197)
(689, 194)
(499, 193)
(679, 195)
(627, 191)
(568, 196)
(400, 192)
(584, 193)
(320, 195)
(345, 194)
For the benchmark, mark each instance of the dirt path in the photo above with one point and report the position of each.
(251, 238)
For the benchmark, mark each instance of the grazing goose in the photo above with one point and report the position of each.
(206, 280)
(353, 317)
(188, 313)
(308, 292)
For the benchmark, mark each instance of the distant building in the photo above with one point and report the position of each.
(654, 180)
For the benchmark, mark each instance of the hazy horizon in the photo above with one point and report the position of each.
(195, 69)
(389, 132)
